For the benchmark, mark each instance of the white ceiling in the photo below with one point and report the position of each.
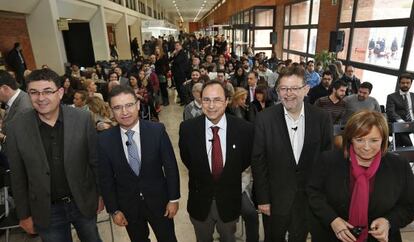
(188, 8)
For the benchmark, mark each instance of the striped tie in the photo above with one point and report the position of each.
(133, 154)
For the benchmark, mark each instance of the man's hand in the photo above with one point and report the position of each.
(265, 209)
(101, 205)
(379, 229)
(119, 219)
(27, 225)
(171, 209)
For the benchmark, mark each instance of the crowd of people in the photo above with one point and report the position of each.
(257, 137)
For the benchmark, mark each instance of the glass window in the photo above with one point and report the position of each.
(315, 11)
(268, 53)
(262, 38)
(264, 17)
(300, 13)
(295, 58)
(378, 46)
(346, 11)
(298, 39)
(383, 9)
(312, 40)
(287, 15)
(285, 38)
(410, 65)
(246, 17)
(342, 54)
(383, 84)
(285, 56)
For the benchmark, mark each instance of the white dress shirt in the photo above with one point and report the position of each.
(136, 137)
(296, 130)
(222, 124)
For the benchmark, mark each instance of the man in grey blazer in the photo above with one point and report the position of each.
(52, 153)
(15, 100)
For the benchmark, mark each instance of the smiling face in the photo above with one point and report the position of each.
(366, 147)
(292, 99)
(128, 113)
(214, 102)
(48, 102)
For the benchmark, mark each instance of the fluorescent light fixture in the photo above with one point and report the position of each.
(162, 28)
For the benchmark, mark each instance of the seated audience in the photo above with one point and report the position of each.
(321, 90)
(101, 113)
(334, 103)
(91, 88)
(360, 101)
(237, 105)
(79, 100)
(68, 91)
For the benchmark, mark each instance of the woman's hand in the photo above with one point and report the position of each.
(379, 229)
(341, 230)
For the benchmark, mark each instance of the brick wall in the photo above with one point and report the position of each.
(13, 29)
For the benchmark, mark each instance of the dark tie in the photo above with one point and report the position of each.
(133, 155)
(407, 108)
(217, 155)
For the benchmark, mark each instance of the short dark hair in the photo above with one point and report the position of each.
(328, 73)
(83, 93)
(214, 82)
(7, 79)
(119, 89)
(310, 61)
(294, 70)
(254, 73)
(195, 70)
(221, 71)
(17, 44)
(111, 73)
(406, 76)
(338, 84)
(367, 85)
(45, 74)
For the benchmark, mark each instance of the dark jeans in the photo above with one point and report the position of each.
(251, 219)
(164, 93)
(61, 217)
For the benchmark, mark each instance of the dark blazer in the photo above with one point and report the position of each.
(396, 110)
(21, 104)
(330, 196)
(276, 176)
(395, 106)
(180, 66)
(201, 186)
(30, 177)
(158, 180)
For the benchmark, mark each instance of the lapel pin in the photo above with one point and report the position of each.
(234, 146)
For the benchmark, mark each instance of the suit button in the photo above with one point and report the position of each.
(47, 173)
(297, 171)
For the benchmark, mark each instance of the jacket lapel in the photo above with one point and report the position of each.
(308, 131)
(284, 134)
(68, 127)
(34, 138)
(201, 146)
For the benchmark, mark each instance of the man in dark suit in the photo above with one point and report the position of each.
(16, 101)
(179, 69)
(52, 153)
(288, 139)
(138, 171)
(216, 149)
(15, 60)
(400, 107)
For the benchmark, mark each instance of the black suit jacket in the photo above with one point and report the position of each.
(201, 186)
(330, 196)
(180, 66)
(21, 104)
(276, 175)
(158, 180)
(396, 106)
(30, 173)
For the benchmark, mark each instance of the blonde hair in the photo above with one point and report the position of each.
(98, 106)
(239, 92)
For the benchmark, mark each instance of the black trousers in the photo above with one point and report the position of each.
(295, 223)
(138, 230)
(164, 93)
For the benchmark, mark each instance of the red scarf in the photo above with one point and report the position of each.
(358, 210)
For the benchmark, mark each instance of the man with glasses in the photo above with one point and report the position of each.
(288, 139)
(52, 153)
(138, 171)
(216, 149)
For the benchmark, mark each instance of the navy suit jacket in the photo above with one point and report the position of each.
(158, 181)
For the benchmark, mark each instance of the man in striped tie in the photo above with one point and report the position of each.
(138, 171)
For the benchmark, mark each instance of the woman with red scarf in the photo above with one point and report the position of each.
(362, 192)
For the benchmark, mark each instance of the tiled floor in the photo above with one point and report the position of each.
(171, 116)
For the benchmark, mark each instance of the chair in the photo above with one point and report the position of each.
(401, 127)
(338, 129)
(8, 215)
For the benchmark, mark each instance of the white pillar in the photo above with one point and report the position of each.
(122, 39)
(47, 41)
(99, 35)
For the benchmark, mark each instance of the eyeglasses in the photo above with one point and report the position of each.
(128, 107)
(215, 101)
(370, 142)
(45, 93)
(284, 89)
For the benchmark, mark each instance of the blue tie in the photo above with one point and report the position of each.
(133, 155)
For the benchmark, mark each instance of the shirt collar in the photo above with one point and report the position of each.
(403, 93)
(222, 124)
(302, 113)
(135, 128)
(13, 98)
(59, 120)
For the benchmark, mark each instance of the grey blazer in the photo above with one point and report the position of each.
(21, 104)
(30, 173)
